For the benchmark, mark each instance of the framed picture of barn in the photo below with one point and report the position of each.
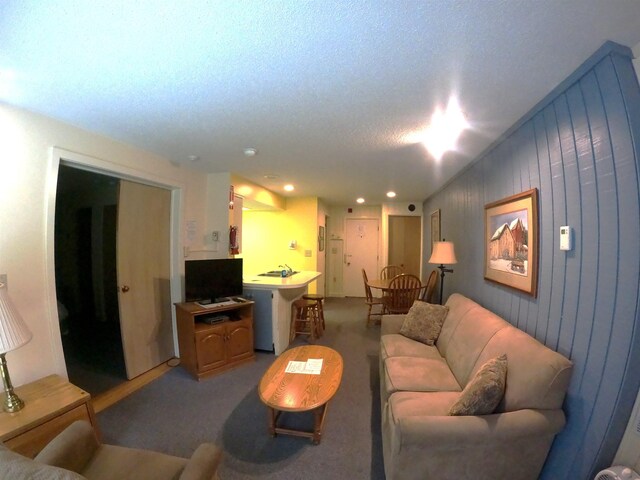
(511, 241)
(435, 227)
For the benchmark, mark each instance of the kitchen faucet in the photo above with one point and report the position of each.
(289, 269)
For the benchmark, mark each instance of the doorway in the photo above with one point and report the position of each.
(404, 243)
(361, 251)
(112, 270)
(86, 279)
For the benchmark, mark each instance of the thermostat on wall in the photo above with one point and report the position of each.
(566, 238)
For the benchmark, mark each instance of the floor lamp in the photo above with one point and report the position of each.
(14, 333)
(444, 254)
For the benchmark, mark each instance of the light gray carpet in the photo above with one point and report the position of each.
(176, 413)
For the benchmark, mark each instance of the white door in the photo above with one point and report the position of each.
(143, 276)
(361, 251)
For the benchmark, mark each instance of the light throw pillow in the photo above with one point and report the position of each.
(423, 322)
(484, 392)
(17, 467)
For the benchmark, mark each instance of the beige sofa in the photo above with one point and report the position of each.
(419, 383)
(76, 454)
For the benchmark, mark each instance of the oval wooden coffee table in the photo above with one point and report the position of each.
(281, 391)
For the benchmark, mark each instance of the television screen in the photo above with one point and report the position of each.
(212, 280)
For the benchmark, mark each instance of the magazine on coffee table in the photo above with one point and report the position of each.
(312, 366)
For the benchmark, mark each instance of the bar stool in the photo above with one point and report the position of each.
(319, 299)
(304, 319)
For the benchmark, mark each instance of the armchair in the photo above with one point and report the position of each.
(76, 453)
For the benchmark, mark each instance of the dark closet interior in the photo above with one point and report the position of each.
(86, 278)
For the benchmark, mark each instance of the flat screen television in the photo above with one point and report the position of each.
(212, 280)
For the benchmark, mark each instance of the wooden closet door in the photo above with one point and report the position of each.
(143, 252)
(404, 243)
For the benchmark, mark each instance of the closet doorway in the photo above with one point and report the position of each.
(115, 323)
(405, 240)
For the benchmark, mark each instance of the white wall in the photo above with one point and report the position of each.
(27, 179)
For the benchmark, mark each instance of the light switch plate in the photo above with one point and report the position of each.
(307, 253)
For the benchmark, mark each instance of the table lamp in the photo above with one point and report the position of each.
(443, 253)
(13, 334)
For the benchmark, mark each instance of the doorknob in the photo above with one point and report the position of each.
(124, 288)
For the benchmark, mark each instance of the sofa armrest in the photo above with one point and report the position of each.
(72, 448)
(203, 464)
(391, 324)
(468, 430)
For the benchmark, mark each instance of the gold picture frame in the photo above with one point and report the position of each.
(511, 242)
(435, 227)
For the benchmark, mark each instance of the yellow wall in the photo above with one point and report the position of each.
(266, 237)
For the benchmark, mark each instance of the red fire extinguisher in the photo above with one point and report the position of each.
(234, 248)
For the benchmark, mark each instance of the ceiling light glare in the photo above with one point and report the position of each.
(444, 129)
(250, 152)
(360, 200)
(288, 188)
(391, 194)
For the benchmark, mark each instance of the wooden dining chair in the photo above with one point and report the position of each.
(371, 301)
(404, 289)
(430, 287)
(391, 271)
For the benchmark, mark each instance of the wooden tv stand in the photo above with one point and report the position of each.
(209, 349)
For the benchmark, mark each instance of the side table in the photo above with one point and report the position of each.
(51, 404)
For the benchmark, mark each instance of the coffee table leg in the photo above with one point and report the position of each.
(318, 417)
(272, 421)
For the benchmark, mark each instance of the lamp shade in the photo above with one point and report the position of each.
(13, 331)
(443, 253)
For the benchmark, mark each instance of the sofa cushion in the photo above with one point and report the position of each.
(424, 321)
(111, 461)
(471, 334)
(17, 467)
(418, 404)
(416, 374)
(483, 393)
(537, 376)
(396, 345)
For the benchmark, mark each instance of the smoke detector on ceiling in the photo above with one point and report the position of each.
(250, 152)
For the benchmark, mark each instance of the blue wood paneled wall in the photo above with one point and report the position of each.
(579, 147)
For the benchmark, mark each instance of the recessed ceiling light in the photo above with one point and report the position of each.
(250, 152)
(288, 187)
(391, 194)
(193, 158)
(444, 129)
(360, 200)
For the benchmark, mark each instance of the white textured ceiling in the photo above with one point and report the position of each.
(326, 91)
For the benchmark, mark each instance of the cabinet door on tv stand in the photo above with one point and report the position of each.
(239, 340)
(210, 346)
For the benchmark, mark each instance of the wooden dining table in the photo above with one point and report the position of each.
(380, 283)
(387, 292)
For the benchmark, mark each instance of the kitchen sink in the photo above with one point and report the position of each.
(275, 273)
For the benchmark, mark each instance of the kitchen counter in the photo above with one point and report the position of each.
(297, 280)
(273, 297)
